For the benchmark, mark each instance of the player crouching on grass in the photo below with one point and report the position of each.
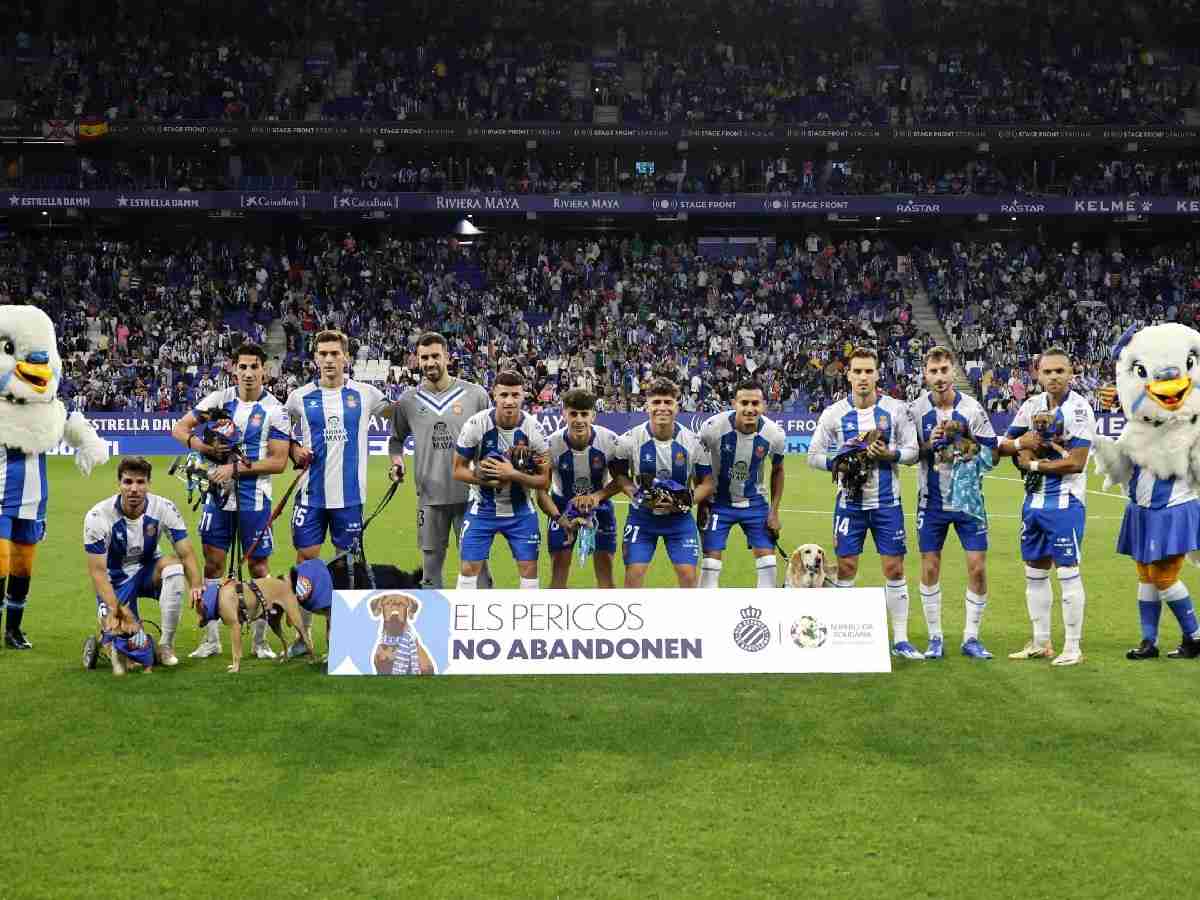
(121, 534)
(581, 453)
(269, 600)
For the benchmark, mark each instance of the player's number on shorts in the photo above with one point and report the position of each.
(206, 521)
(421, 517)
(920, 520)
(298, 516)
(631, 533)
(841, 525)
(712, 521)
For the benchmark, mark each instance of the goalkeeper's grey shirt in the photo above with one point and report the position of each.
(435, 420)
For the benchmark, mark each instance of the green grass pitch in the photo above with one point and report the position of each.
(951, 779)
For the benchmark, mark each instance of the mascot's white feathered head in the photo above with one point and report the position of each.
(1157, 370)
(30, 367)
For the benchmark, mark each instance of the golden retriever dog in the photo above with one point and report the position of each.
(809, 567)
(399, 650)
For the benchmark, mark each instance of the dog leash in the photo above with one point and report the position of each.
(275, 513)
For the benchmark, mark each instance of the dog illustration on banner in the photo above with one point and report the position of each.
(398, 649)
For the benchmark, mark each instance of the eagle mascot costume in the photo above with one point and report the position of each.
(33, 421)
(1156, 461)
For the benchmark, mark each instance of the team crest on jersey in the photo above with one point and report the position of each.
(352, 401)
(597, 463)
(760, 451)
(256, 419)
(151, 530)
(680, 458)
(303, 588)
(882, 423)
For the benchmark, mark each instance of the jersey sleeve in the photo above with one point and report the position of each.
(279, 427)
(824, 441)
(905, 436)
(173, 522)
(778, 444)
(981, 428)
(470, 436)
(294, 408)
(703, 459)
(1020, 423)
(400, 428)
(95, 533)
(208, 402)
(377, 401)
(537, 437)
(1079, 426)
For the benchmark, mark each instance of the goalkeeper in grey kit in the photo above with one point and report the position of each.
(434, 413)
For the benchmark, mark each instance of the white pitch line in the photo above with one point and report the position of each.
(1089, 490)
(991, 515)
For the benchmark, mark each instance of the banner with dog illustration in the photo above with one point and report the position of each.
(595, 632)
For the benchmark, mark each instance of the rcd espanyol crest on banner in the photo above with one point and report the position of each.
(751, 634)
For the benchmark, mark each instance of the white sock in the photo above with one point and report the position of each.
(976, 604)
(170, 602)
(529, 584)
(710, 573)
(766, 571)
(212, 630)
(1038, 599)
(843, 582)
(467, 583)
(896, 595)
(931, 603)
(1070, 582)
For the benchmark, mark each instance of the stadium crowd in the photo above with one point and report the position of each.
(714, 64)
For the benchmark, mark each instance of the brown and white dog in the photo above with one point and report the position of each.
(121, 625)
(269, 598)
(396, 634)
(808, 567)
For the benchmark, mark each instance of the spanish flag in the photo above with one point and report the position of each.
(91, 128)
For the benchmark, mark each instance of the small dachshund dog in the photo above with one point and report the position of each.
(808, 567)
(399, 650)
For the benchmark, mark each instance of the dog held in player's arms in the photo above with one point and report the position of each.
(33, 421)
(1156, 460)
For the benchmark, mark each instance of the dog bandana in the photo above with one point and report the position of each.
(585, 536)
(966, 484)
(138, 647)
(406, 660)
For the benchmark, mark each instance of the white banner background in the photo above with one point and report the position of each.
(624, 631)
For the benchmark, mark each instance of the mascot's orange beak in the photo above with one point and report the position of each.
(1170, 394)
(36, 375)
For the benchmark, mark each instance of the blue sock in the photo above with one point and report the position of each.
(1149, 613)
(1186, 616)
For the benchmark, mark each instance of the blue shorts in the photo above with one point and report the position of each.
(22, 531)
(850, 527)
(480, 529)
(721, 519)
(934, 524)
(140, 584)
(642, 531)
(1053, 533)
(216, 529)
(606, 530)
(1152, 535)
(309, 524)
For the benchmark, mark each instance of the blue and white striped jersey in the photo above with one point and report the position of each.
(261, 421)
(739, 460)
(842, 422)
(933, 487)
(130, 544)
(574, 472)
(481, 436)
(333, 424)
(678, 459)
(1073, 425)
(1157, 493)
(23, 484)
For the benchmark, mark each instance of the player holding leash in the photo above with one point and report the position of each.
(434, 413)
(334, 417)
(658, 463)
(501, 454)
(861, 439)
(244, 515)
(945, 420)
(1060, 423)
(581, 453)
(739, 442)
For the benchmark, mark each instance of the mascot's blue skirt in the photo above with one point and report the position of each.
(1150, 535)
